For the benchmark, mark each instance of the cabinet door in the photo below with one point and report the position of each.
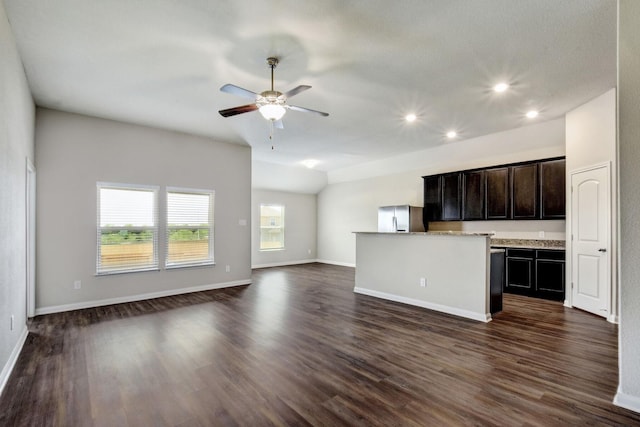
(524, 191)
(432, 199)
(473, 195)
(519, 271)
(451, 196)
(552, 189)
(550, 277)
(497, 193)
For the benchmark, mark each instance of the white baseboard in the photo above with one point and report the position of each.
(139, 297)
(343, 264)
(284, 263)
(626, 401)
(13, 358)
(481, 317)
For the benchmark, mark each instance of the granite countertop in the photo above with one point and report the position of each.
(528, 243)
(429, 233)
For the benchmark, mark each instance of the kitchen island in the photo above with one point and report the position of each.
(442, 271)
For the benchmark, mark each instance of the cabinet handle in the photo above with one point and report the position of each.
(602, 250)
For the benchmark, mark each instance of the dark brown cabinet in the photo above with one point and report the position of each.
(519, 271)
(473, 195)
(537, 273)
(452, 196)
(524, 191)
(521, 191)
(552, 189)
(550, 277)
(432, 199)
(497, 193)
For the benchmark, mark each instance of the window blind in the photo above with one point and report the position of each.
(189, 238)
(127, 228)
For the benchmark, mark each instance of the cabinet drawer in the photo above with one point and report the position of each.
(520, 253)
(550, 254)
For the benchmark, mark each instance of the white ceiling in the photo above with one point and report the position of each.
(161, 63)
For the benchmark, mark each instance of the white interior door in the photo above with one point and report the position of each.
(590, 230)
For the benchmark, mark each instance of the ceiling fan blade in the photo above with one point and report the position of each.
(278, 124)
(307, 110)
(237, 90)
(238, 110)
(296, 90)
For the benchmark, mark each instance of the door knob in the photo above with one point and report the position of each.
(602, 250)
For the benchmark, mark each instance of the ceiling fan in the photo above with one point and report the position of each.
(271, 103)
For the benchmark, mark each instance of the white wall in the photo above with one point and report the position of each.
(345, 206)
(591, 141)
(74, 152)
(300, 228)
(629, 152)
(16, 145)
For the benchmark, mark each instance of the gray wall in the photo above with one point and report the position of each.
(16, 145)
(345, 207)
(455, 268)
(77, 151)
(629, 154)
(300, 228)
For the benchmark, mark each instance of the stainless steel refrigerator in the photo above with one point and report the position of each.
(400, 219)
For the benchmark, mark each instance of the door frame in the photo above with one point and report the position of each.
(611, 241)
(30, 237)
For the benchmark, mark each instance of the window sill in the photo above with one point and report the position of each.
(272, 250)
(111, 273)
(196, 264)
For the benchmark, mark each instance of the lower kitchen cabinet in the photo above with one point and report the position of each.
(519, 271)
(550, 278)
(537, 273)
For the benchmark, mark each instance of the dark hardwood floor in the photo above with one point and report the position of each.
(298, 347)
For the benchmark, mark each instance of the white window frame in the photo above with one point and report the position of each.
(154, 265)
(269, 227)
(211, 239)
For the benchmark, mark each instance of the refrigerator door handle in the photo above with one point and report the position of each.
(395, 223)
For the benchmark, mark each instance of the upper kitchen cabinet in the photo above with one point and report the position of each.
(552, 189)
(497, 193)
(527, 190)
(432, 199)
(452, 196)
(473, 196)
(524, 191)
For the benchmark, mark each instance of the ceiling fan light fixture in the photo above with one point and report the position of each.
(273, 112)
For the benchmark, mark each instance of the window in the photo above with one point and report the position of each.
(127, 228)
(271, 227)
(189, 227)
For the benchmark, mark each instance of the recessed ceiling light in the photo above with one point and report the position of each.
(310, 163)
(410, 117)
(532, 114)
(501, 87)
(451, 134)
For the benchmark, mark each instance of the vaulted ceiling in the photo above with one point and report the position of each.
(370, 62)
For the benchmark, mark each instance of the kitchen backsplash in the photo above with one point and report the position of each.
(540, 230)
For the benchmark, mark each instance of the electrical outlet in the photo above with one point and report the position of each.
(541, 234)
(227, 269)
(309, 251)
(423, 282)
(77, 284)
